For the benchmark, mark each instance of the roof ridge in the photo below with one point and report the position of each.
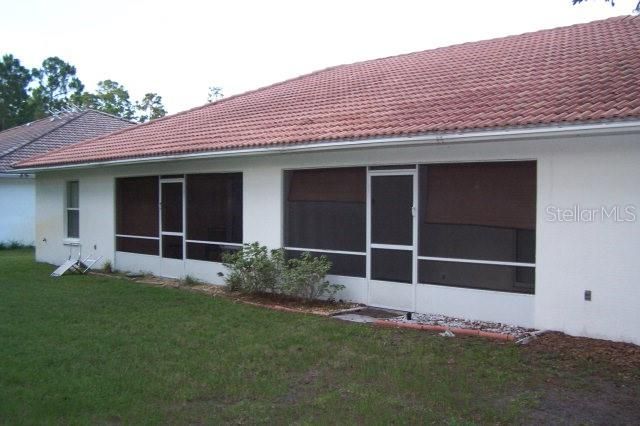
(28, 124)
(319, 71)
(109, 115)
(62, 123)
(494, 39)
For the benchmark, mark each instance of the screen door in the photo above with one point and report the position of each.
(392, 238)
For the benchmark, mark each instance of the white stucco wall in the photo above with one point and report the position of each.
(571, 257)
(17, 214)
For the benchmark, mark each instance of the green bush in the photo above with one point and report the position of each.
(255, 269)
(305, 277)
(252, 269)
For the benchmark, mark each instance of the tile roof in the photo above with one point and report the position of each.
(582, 73)
(51, 133)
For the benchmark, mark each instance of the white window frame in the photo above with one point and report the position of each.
(67, 209)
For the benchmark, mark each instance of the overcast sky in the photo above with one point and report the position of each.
(180, 48)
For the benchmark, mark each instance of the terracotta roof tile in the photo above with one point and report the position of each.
(582, 73)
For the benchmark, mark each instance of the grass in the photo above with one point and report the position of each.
(92, 349)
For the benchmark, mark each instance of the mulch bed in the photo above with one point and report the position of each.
(621, 355)
(321, 307)
(267, 300)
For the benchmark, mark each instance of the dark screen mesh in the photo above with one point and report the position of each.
(208, 252)
(138, 245)
(214, 207)
(481, 276)
(326, 209)
(392, 265)
(172, 207)
(137, 206)
(172, 246)
(391, 216)
(481, 211)
(350, 265)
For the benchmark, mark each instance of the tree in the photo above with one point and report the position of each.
(57, 86)
(150, 107)
(14, 94)
(613, 3)
(110, 97)
(215, 93)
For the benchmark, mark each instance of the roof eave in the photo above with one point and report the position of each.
(566, 130)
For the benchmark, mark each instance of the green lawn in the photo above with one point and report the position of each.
(86, 349)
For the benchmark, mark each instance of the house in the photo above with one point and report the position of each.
(17, 192)
(495, 180)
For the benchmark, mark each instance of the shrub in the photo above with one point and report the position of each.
(107, 267)
(305, 277)
(254, 269)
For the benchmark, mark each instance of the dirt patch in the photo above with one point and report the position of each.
(593, 381)
(616, 355)
(303, 389)
(600, 402)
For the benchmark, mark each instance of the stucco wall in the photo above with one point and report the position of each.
(571, 257)
(17, 214)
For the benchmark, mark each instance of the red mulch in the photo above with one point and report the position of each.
(291, 302)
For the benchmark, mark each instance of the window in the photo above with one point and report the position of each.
(137, 225)
(477, 225)
(325, 214)
(214, 215)
(73, 210)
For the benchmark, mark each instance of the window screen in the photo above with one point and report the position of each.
(137, 214)
(476, 275)
(137, 245)
(209, 252)
(137, 206)
(478, 211)
(171, 206)
(391, 203)
(350, 265)
(172, 246)
(325, 209)
(214, 207)
(214, 214)
(392, 265)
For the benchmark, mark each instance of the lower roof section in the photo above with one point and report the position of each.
(527, 133)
